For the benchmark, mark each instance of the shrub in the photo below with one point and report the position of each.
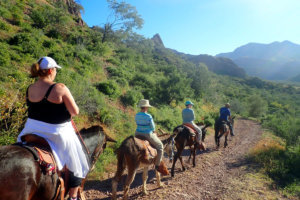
(4, 55)
(109, 88)
(131, 98)
(256, 106)
(30, 43)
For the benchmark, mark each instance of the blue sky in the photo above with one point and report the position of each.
(209, 26)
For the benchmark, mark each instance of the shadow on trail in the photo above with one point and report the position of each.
(105, 185)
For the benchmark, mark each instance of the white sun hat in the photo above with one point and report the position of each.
(144, 103)
(48, 63)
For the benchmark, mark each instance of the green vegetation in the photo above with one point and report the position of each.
(108, 77)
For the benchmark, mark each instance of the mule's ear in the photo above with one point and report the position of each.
(109, 139)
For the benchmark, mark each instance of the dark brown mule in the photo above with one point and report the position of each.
(202, 145)
(22, 177)
(223, 130)
(133, 154)
(185, 137)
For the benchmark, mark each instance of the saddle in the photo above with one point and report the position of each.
(149, 152)
(193, 133)
(192, 130)
(42, 153)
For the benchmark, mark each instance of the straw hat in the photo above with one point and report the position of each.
(227, 105)
(144, 103)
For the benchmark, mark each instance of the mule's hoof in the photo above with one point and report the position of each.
(183, 169)
(172, 174)
(145, 192)
(161, 185)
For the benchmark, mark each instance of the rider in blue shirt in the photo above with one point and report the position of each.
(188, 117)
(225, 115)
(146, 127)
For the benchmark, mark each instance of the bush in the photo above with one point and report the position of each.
(131, 98)
(4, 55)
(109, 88)
(30, 43)
(256, 106)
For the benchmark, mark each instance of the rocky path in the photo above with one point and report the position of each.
(210, 179)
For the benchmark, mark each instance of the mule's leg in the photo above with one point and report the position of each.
(159, 183)
(174, 162)
(217, 139)
(191, 152)
(145, 178)
(120, 169)
(180, 158)
(225, 143)
(194, 155)
(132, 167)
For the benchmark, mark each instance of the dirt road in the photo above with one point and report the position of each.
(210, 179)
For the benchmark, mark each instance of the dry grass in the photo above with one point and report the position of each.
(254, 185)
(268, 141)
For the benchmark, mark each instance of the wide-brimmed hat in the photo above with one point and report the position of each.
(48, 63)
(189, 103)
(144, 103)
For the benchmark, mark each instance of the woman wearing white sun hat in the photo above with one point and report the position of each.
(50, 108)
(146, 127)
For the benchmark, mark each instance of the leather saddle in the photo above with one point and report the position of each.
(150, 152)
(192, 130)
(42, 153)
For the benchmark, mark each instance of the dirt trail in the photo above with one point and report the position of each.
(210, 179)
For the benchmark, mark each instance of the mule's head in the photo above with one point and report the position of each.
(169, 146)
(95, 141)
(204, 131)
(232, 120)
(163, 168)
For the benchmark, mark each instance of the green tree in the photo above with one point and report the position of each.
(123, 17)
(257, 106)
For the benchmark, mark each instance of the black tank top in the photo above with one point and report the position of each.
(46, 111)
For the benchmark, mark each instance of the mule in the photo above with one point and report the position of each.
(186, 137)
(202, 145)
(22, 177)
(134, 154)
(223, 130)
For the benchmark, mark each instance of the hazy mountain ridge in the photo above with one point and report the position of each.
(223, 66)
(274, 61)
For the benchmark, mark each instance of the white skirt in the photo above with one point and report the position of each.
(65, 145)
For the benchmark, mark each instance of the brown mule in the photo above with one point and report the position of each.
(22, 178)
(133, 153)
(184, 137)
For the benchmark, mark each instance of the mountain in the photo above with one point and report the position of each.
(157, 40)
(275, 61)
(296, 78)
(218, 65)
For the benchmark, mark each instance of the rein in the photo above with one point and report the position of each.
(77, 132)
